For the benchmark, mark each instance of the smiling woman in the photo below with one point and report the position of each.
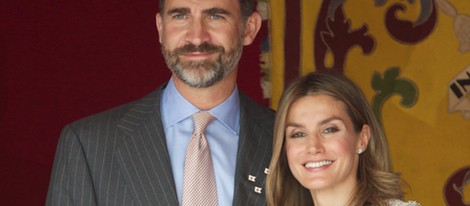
(329, 149)
(320, 143)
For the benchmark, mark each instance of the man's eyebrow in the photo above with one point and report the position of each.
(178, 11)
(212, 11)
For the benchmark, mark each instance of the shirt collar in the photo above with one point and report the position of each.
(180, 108)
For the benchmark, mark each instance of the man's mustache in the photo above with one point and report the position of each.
(204, 47)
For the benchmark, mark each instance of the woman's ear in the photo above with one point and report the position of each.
(364, 138)
(252, 26)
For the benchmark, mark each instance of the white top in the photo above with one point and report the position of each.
(397, 202)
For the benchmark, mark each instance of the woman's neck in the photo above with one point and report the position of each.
(336, 196)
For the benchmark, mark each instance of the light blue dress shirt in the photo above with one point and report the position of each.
(222, 134)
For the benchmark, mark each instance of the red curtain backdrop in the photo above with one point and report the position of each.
(63, 60)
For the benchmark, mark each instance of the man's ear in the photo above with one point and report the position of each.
(159, 23)
(252, 26)
(364, 137)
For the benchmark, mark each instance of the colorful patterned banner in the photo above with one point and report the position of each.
(412, 60)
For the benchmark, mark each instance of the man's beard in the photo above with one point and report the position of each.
(202, 74)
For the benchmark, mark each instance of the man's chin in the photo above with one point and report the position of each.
(197, 65)
(199, 83)
(197, 62)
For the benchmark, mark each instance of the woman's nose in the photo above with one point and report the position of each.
(314, 145)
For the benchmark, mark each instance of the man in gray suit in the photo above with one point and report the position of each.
(134, 154)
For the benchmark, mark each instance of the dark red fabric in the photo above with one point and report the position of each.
(63, 60)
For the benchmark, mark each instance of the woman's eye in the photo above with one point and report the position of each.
(330, 130)
(297, 135)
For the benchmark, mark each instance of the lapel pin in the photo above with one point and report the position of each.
(258, 190)
(251, 178)
(266, 171)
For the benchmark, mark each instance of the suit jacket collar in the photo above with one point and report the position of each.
(254, 152)
(143, 156)
(145, 163)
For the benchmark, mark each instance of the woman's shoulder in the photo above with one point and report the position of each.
(397, 202)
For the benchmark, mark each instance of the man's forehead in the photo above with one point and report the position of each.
(201, 4)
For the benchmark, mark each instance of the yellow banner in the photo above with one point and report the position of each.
(411, 59)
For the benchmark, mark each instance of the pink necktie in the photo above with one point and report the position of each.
(199, 186)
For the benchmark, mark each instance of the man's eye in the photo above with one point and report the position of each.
(215, 17)
(297, 135)
(179, 16)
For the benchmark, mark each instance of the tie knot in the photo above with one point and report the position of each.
(201, 120)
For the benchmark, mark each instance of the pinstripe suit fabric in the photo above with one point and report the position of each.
(119, 157)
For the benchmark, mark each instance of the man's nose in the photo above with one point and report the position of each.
(197, 32)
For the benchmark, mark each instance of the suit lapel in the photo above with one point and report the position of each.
(143, 156)
(253, 154)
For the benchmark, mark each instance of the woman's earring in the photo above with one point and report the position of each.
(359, 151)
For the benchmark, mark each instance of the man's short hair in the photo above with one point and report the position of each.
(246, 7)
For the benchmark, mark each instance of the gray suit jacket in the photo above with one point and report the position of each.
(119, 157)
